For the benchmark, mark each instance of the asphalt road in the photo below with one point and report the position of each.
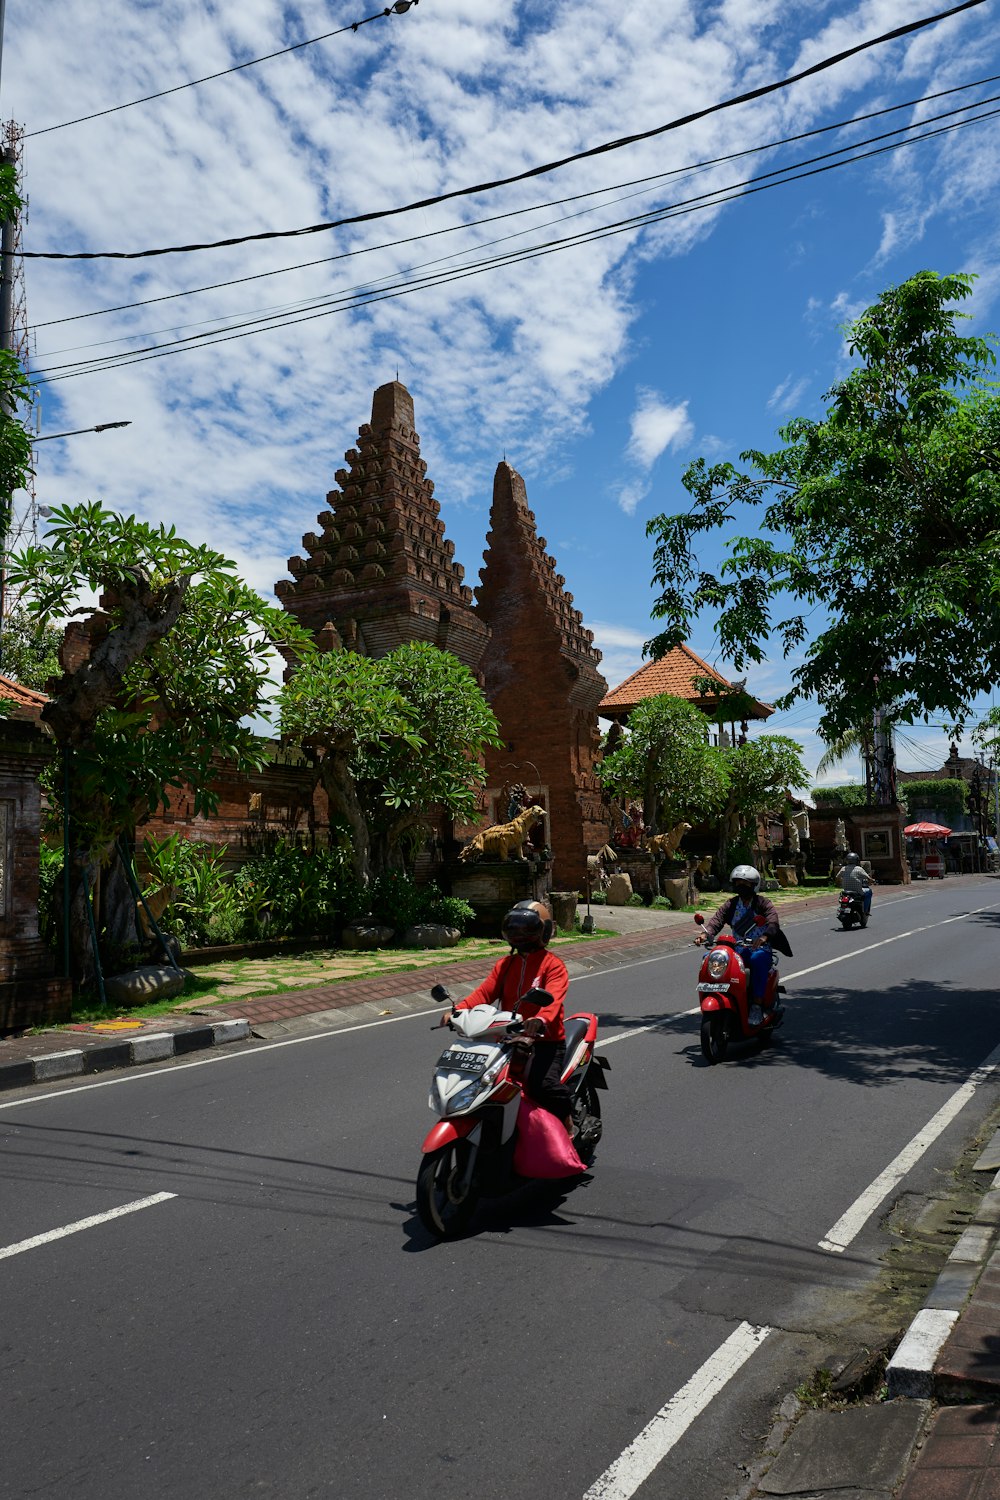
(282, 1326)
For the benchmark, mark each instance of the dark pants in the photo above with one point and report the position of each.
(543, 1079)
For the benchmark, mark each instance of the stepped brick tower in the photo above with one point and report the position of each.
(540, 672)
(380, 572)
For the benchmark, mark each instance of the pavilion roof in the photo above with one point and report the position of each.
(675, 674)
(28, 702)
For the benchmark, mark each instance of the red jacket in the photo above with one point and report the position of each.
(511, 977)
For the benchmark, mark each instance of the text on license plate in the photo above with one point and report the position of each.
(462, 1062)
(708, 985)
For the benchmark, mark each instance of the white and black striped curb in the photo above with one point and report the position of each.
(152, 1046)
(910, 1372)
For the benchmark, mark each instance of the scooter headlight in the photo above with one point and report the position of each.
(463, 1098)
(718, 963)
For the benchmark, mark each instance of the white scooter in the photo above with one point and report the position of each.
(476, 1093)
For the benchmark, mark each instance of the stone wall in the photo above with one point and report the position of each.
(30, 994)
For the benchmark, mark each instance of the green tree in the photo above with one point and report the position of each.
(29, 649)
(760, 772)
(882, 514)
(179, 657)
(398, 738)
(665, 760)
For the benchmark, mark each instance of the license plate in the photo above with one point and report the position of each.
(458, 1061)
(708, 986)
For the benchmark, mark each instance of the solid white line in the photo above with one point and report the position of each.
(640, 1458)
(59, 1234)
(145, 1074)
(850, 1224)
(624, 1036)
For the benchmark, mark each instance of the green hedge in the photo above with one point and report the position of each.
(852, 795)
(946, 795)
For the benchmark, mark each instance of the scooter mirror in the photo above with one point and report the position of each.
(760, 919)
(440, 994)
(699, 919)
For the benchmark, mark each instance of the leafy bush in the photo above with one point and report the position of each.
(50, 866)
(450, 911)
(396, 899)
(660, 903)
(635, 899)
(288, 892)
(852, 795)
(295, 892)
(947, 795)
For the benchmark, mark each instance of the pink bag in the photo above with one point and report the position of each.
(542, 1148)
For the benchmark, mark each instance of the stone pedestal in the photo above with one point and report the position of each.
(563, 907)
(30, 994)
(619, 890)
(491, 889)
(786, 876)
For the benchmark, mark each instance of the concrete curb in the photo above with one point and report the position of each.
(100, 1057)
(910, 1372)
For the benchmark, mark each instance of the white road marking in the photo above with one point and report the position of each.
(623, 1036)
(858, 952)
(146, 1074)
(850, 1224)
(633, 1467)
(95, 1219)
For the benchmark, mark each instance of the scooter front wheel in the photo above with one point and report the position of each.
(444, 1205)
(714, 1039)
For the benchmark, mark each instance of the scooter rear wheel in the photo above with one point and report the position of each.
(443, 1208)
(714, 1039)
(587, 1119)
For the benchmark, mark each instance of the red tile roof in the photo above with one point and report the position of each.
(672, 674)
(29, 703)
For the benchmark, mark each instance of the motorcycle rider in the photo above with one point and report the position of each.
(530, 967)
(741, 911)
(854, 878)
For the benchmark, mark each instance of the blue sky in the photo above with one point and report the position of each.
(600, 371)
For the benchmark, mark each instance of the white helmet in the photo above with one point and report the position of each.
(747, 874)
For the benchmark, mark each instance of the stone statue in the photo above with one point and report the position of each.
(503, 839)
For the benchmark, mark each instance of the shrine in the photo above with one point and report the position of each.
(541, 676)
(380, 572)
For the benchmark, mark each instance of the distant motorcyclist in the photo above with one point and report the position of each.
(741, 911)
(530, 967)
(854, 878)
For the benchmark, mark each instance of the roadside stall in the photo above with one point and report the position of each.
(927, 864)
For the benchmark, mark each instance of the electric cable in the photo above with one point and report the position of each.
(533, 208)
(307, 304)
(537, 171)
(345, 301)
(399, 8)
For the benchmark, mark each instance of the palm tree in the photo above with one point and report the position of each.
(859, 740)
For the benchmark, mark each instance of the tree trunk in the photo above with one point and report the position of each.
(342, 792)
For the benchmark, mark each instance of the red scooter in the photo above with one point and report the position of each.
(724, 997)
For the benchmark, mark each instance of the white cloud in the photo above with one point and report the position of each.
(785, 398)
(657, 425)
(631, 494)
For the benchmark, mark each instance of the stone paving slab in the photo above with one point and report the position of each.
(865, 1448)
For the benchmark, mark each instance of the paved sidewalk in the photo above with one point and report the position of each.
(937, 1437)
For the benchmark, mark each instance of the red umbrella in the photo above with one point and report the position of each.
(926, 831)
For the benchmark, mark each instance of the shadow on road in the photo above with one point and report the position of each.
(922, 1029)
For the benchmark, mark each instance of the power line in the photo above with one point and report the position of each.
(615, 145)
(309, 303)
(348, 300)
(399, 8)
(657, 177)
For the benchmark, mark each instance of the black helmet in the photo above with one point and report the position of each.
(853, 859)
(527, 926)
